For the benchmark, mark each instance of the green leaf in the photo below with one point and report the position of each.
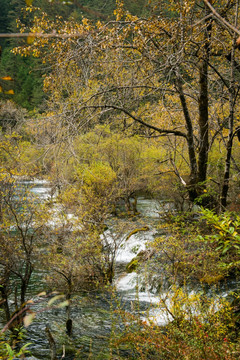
(231, 230)
(225, 250)
(24, 350)
(10, 351)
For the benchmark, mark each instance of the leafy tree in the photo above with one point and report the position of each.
(22, 220)
(197, 330)
(22, 227)
(26, 84)
(160, 76)
(3, 19)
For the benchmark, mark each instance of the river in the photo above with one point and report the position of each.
(93, 313)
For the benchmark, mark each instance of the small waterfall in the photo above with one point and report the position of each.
(90, 312)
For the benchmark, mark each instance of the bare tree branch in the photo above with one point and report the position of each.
(221, 19)
(42, 35)
(140, 121)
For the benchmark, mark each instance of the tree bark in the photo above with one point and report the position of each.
(204, 103)
(25, 280)
(190, 137)
(52, 344)
(4, 294)
(232, 97)
(193, 181)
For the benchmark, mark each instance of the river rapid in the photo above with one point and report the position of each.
(93, 313)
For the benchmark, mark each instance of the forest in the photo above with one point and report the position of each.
(119, 179)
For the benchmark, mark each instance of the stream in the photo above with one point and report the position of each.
(92, 314)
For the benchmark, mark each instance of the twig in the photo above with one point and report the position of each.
(222, 20)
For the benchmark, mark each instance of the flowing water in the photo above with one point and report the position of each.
(92, 314)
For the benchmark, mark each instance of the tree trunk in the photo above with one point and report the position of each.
(134, 205)
(203, 122)
(52, 344)
(193, 179)
(25, 280)
(1, 209)
(68, 308)
(4, 294)
(204, 102)
(225, 187)
(127, 204)
(232, 99)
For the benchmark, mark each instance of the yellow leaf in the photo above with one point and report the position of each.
(55, 298)
(1, 89)
(30, 39)
(27, 320)
(63, 304)
(28, 2)
(30, 302)
(9, 92)
(6, 78)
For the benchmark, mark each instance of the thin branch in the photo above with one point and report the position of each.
(221, 19)
(140, 121)
(54, 34)
(177, 172)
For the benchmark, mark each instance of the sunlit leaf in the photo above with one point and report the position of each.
(9, 350)
(9, 92)
(63, 304)
(30, 39)
(55, 298)
(30, 302)
(9, 78)
(27, 320)
(24, 347)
